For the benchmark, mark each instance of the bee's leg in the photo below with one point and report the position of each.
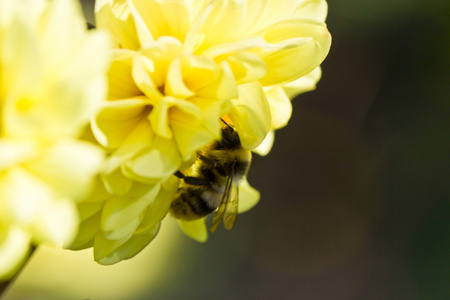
(206, 160)
(179, 174)
(196, 181)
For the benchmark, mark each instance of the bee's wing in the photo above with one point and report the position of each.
(223, 204)
(231, 209)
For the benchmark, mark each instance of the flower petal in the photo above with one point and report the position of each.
(158, 208)
(247, 67)
(119, 211)
(124, 231)
(116, 183)
(87, 231)
(313, 9)
(68, 167)
(57, 224)
(23, 205)
(196, 229)
(280, 106)
(155, 163)
(13, 152)
(263, 13)
(303, 84)
(264, 148)
(248, 196)
(108, 252)
(251, 115)
(115, 16)
(140, 137)
(214, 24)
(162, 18)
(120, 78)
(14, 248)
(302, 41)
(142, 69)
(117, 120)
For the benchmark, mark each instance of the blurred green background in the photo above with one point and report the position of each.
(355, 193)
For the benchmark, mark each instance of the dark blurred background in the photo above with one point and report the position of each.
(355, 196)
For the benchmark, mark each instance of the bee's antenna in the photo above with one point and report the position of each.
(226, 123)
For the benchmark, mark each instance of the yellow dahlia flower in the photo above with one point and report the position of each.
(178, 67)
(52, 78)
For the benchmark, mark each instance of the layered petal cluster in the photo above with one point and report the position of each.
(178, 67)
(52, 79)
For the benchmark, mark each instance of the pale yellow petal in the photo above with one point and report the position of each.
(120, 78)
(264, 148)
(196, 230)
(124, 231)
(60, 14)
(189, 75)
(57, 224)
(115, 17)
(139, 242)
(223, 87)
(175, 85)
(303, 46)
(158, 208)
(158, 56)
(159, 117)
(88, 209)
(280, 106)
(139, 138)
(303, 84)
(13, 152)
(14, 248)
(190, 134)
(162, 18)
(18, 58)
(141, 71)
(248, 196)
(247, 67)
(104, 249)
(69, 167)
(87, 231)
(263, 13)
(108, 252)
(121, 210)
(116, 183)
(314, 9)
(155, 163)
(23, 205)
(98, 193)
(214, 25)
(251, 115)
(117, 119)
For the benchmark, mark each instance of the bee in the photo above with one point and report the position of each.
(215, 184)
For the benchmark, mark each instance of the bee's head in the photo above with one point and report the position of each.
(230, 138)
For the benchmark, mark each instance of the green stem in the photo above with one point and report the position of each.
(4, 285)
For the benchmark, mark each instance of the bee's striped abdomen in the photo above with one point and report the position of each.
(189, 205)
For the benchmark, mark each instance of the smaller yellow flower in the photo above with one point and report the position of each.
(52, 79)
